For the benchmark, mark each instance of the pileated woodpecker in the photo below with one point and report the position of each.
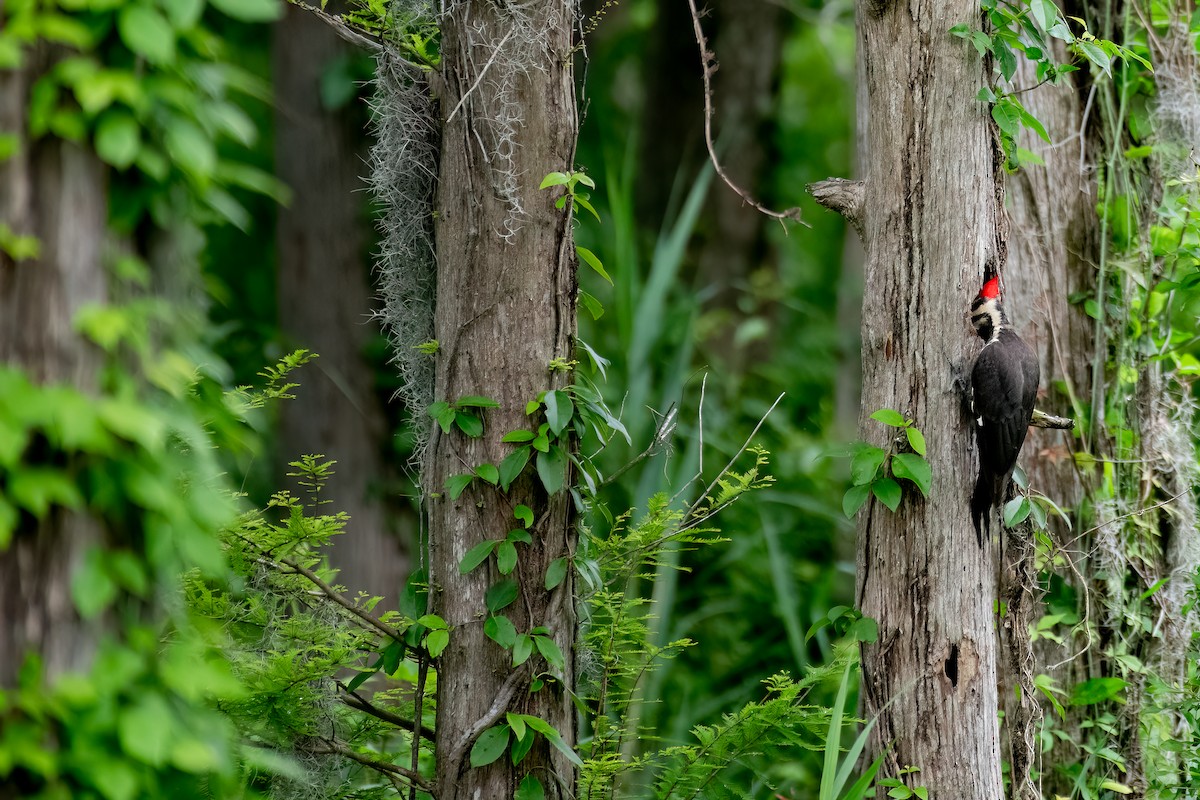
(1004, 382)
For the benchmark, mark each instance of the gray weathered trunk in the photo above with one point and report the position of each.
(505, 308)
(929, 209)
(57, 192)
(325, 305)
(1051, 245)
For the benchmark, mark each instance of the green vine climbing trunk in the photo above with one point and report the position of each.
(929, 208)
(506, 289)
(56, 192)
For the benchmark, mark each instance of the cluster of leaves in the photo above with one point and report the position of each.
(138, 463)
(295, 632)
(1031, 28)
(875, 471)
(580, 200)
(148, 84)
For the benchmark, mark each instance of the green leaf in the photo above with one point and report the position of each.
(390, 657)
(92, 587)
(890, 417)
(444, 414)
(191, 148)
(1096, 690)
(518, 437)
(432, 621)
(1114, 786)
(522, 746)
(1095, 54)
(500, 630)
(519, 535)
(469, 424)
(250, 10)
(118, 138)
(592, 261)
(1045, 12)
(506, 557)
(522, 649)
(524, 514)
(590, 304)
(556, 573)
(1016, 511)
(916, 440)
(559, 410)
(865, 464)
(552, 469)
(530, 789)
(476, 401)
(581, 201)
(490, 745)
(146, 32)
(184, 14)
(146, 731)
(457, 484)
(854, 499)
(501, 595)
(512, 466)
(888, 492)
(488, 473)
(550, 651)
(910, 466)
(36, 489)
(1007, 117)
(476, 556)
(436, 641)
(554, 179)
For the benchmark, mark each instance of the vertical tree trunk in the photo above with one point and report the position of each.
(505, 308)
(325, 305)
(56, 192)
(1052, 244)
(930, 212)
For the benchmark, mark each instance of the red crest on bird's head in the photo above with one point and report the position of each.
(991, 289)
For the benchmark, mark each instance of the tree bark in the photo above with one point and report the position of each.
(325, 305)
(1052, 246)
(931, 216)
(55, 191)
(505, 308)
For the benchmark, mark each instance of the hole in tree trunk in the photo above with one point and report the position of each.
(951, 666)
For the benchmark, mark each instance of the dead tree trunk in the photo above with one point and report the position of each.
(56, 192)
(325, 305)
(930, 212)
(506, 286)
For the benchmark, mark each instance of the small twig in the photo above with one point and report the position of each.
(342, 749)
(360, 703)
(1043, 420)
(479, 77)
(695, 506)
(346, 32)
(661, 435)
(418, 713)
(706, 59)
(341, 600)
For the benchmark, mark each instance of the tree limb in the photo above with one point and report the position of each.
(346, 32)
(360, 703)
(843, 196)
(334, 746)
(1043, 420)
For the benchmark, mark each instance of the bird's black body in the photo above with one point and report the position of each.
(1004, 382)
